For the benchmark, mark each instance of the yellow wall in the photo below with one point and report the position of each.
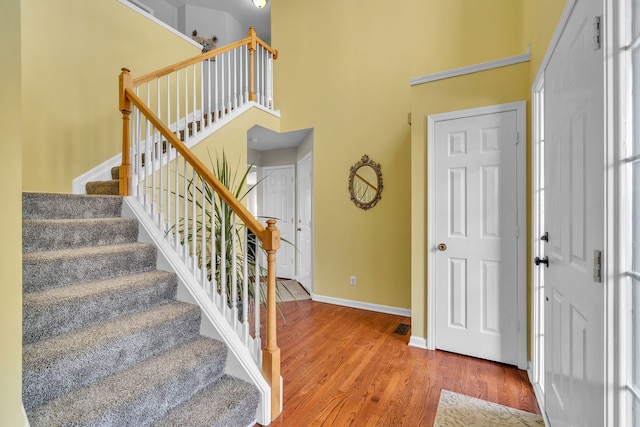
(535, 26)
(498, 86)
(344, 70)
(11, 218)
(72, 52)
(232, 139)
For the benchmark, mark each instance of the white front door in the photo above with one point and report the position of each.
(476, 234)
(304, 243)
(278, 202)
(574, 219)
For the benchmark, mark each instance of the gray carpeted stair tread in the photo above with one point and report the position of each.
(229, 402)
(55, 311)
(111, 187)
(49, 269)
(138, 395)
(58, 205)
(61, 364)
(54, 234)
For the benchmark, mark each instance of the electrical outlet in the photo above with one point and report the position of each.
(352, 280)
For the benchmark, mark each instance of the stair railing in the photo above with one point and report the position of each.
(205, 223)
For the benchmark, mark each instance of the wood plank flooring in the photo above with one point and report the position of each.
(345, 367)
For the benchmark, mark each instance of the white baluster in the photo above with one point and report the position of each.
(186, 105)
(185, 219)
(245, 288)
(216, 94)
(234, 276)
(256, 291)
(230, 95)
(223, 258)
(203, 238)
(235, 78)
(246, 73)
(194, 234)
(222, 85)
(177, 107)
(214, 254)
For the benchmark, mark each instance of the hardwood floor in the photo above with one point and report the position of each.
(345, 367)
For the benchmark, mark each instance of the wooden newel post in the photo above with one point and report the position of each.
(271, 354)
(253, 44)
(125, 107)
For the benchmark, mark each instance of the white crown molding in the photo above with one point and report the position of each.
(525, 57)
(363, 305)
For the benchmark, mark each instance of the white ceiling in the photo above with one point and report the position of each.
(261, 139)
(242, 10)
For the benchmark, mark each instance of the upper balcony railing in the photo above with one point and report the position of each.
(212, 232)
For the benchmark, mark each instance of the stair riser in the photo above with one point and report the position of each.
(50, 272)
(59, 206)
(46, 235)
(49, 318)
(43, 382)
(162, 398)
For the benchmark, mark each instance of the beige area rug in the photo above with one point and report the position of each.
(290, 290)
(458, 410)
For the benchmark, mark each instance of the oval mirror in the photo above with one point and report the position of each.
(365, 183)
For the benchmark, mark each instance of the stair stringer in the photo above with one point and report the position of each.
(102, 172)
(240, 363)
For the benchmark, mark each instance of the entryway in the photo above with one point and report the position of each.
(284, 173)
(476, 233)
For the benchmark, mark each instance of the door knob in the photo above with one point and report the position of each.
(538, 261)
(442, 247)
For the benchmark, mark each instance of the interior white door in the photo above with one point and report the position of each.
(476, 215)
(304, 242)
(574, 218)
(278, 202)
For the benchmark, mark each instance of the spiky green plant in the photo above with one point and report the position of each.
(225, 230)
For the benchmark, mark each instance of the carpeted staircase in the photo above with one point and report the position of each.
(105, 342)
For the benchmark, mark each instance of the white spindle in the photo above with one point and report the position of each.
(246, 73)
(256, 290)
(214, 254)
(222, 95)
(203, 234)
(209, 109)
(194, 235)
(245, 288)
(235, 80)
(194, 119)
(185, 219)
(216, 94)
(186, 105)
(234, 278)
(223, 258)
(229, 95)
(177, 106)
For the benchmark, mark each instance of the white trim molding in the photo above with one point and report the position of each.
(418, 342)
(363, 305)
(497, 63)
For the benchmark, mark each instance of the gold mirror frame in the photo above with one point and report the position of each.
(362, 189)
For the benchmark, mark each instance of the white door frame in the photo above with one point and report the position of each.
(613, 338)
(298, 201)
(520, 109)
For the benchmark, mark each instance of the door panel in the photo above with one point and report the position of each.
(574, 217)
(476, 218)
(278, 203)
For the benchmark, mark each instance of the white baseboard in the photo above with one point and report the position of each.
(418, 342)
(363, 305)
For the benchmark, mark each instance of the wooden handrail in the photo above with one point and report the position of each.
(242, 212)
(269, 236)
(251, 41)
